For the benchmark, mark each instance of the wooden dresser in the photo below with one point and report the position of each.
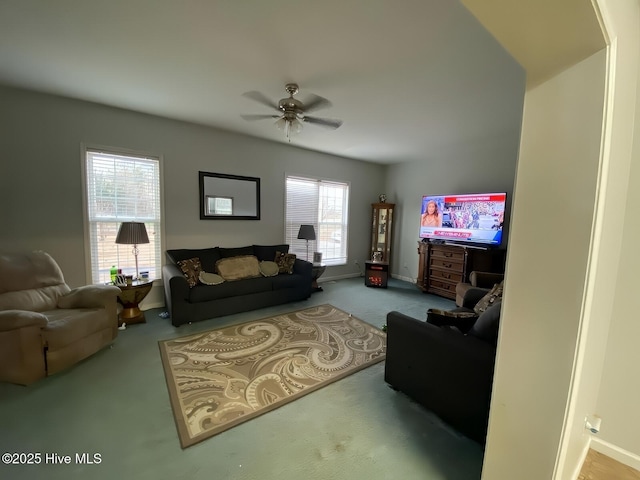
(442, 266)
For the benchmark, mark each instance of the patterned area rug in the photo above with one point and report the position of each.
(221, 378)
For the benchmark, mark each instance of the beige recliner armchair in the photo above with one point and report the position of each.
(45, 326)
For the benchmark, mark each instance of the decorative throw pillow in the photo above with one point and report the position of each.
(285, 262)
(486, 327)
(447, 313)
(191, 269)
(238, 268)
(494, 295)
(269, 269)
(210, 278)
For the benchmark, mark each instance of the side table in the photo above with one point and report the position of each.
(130, 297)
(316, 272)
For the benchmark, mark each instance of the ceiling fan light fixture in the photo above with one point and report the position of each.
(290, 126)
(295, 126)
(281, 123)
(292, 113)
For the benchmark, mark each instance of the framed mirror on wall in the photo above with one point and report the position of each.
(229, 197)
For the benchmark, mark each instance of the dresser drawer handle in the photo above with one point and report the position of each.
(447, 265)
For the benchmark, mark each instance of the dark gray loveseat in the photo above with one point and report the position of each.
(201, 302)
(447, 370)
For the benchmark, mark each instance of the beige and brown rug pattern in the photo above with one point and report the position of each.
(221, 378)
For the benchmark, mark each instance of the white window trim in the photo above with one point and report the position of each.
(84, 148)
(347, 214)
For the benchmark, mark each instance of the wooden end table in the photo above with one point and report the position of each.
(316, 272)
(130, 297)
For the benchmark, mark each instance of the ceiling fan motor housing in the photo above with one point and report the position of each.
(290, 106)
(293, 110)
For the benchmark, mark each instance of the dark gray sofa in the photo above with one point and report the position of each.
(209, 301)
(447, 371)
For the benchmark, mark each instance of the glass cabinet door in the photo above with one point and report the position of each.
(382, 222)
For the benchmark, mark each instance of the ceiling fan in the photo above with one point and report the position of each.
(292, 112)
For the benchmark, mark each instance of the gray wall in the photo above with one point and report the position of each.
(488, 166)
(41, 179)
(546, 274)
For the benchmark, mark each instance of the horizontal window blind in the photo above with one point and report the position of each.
(323, 204)
(122, 188)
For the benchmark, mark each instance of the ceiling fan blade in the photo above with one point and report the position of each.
(316, 102)
(323, 122)
(260, 98)
(258, 117)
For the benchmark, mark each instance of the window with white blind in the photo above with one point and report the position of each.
(323, 204)
(122, 188)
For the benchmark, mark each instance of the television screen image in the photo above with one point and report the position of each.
(469, 218)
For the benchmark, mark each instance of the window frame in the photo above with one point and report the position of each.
(299, 246)
(110, 150)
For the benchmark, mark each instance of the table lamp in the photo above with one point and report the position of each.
(307, 232)
(132, 233)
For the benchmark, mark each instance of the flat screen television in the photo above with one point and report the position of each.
(475, 219)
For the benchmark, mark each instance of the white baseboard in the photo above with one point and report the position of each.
(352, 275)
(404, 279)
(149, 306)
(338, 277)
(621, 455)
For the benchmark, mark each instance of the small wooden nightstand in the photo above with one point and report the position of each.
(130, 297)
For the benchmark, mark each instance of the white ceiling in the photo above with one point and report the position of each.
(407, 77)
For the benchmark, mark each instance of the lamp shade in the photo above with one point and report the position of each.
(132, 233)
(307, 232)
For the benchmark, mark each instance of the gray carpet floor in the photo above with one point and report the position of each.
(115, 405)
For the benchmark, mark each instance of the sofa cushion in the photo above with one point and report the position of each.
(67, 326)
(26, 271)
(236, 252)
(248, 286)
(269, 269)
(208, 256)
(30, 281)
(486, 327)
(268, 252)
(287, 281)
(35, 300)
(191, 269)
(494, 295)
(210, 278)
(285, 261)
(238, 268)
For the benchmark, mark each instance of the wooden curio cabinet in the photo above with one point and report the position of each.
(381, 228)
